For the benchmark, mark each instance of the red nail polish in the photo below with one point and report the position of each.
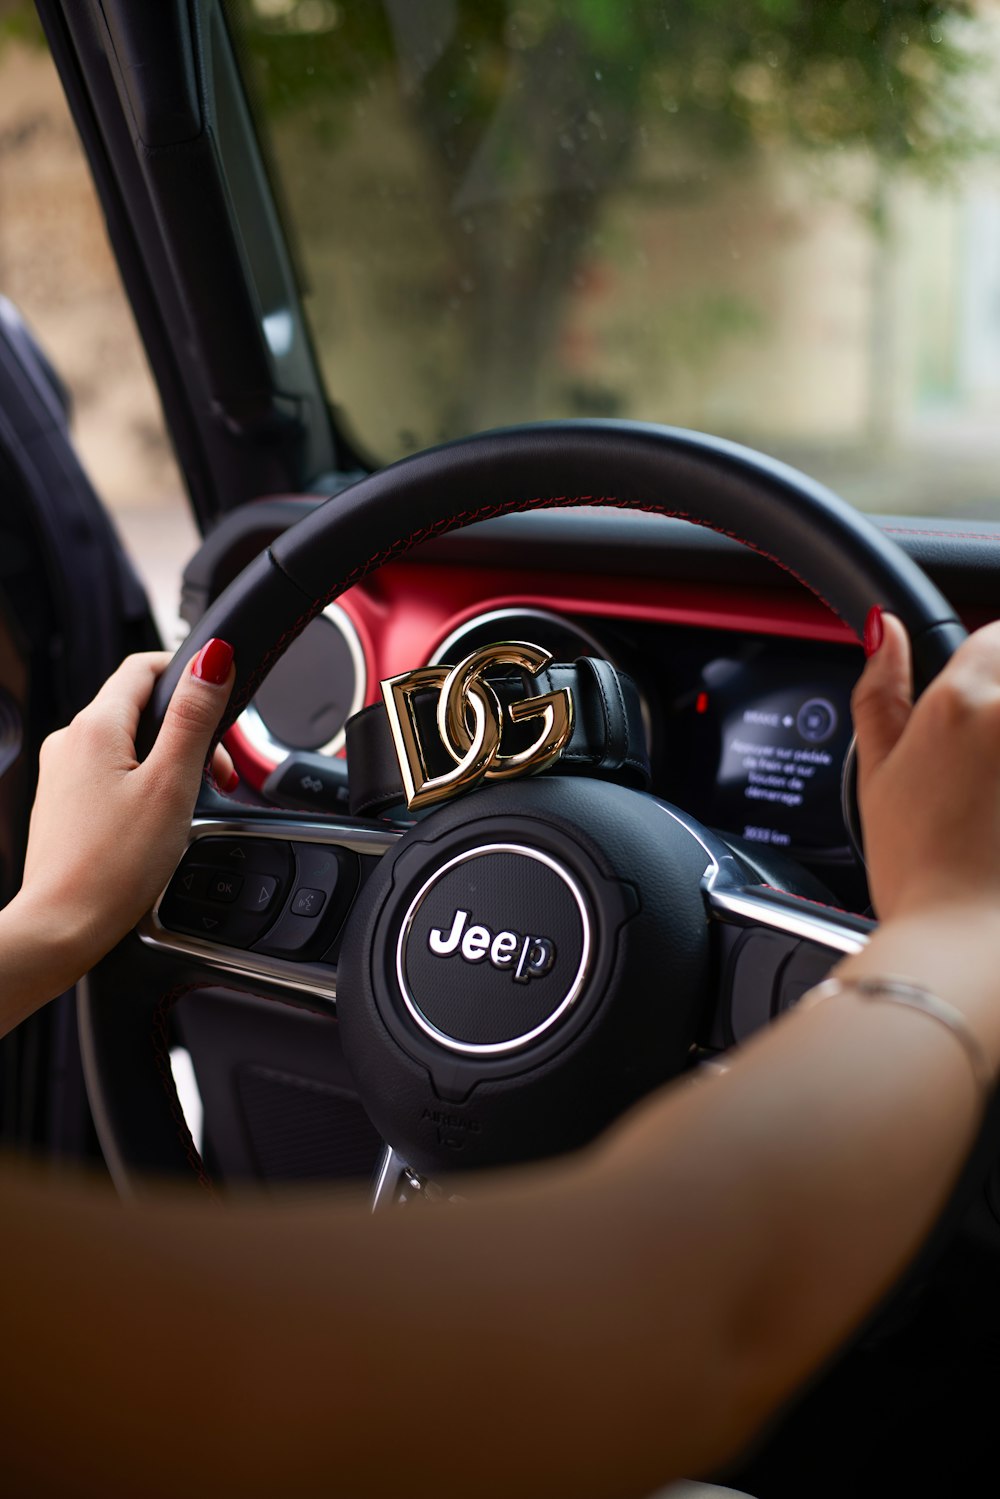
(874, 630)
(233, 782)
(213, 661)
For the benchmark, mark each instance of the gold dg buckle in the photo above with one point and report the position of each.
(470, 721)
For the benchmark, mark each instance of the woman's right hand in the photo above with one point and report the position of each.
(929, 778)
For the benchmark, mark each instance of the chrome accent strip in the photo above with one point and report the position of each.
(396, 1184)
(496, 1048)
(257, 731)
(824, 930)
(390, 1179)
(502, 617)
(511, 611)
(729, 896)
(716, 852)
(306, 978)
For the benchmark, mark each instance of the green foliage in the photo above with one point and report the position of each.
(19, 22)
(731, 74)
(522, 118)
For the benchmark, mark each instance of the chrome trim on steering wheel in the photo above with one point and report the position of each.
(392, 1178)
(515, 1043)
(502, 619)
(316, 979)
(731, 898)
(833, 931)
(728, 895)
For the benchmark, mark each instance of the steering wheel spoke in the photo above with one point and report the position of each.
(774, 946)
(396, 1184)
(264, 898)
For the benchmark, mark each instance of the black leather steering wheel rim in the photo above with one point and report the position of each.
(834, 551)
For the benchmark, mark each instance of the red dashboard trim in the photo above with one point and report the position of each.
(251, 765)
(407, 608)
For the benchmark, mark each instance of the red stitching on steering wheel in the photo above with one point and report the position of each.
(470, 517)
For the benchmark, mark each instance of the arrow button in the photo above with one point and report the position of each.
(258, 892)
(189, 884)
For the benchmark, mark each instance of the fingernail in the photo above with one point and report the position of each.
(213, 661)
(233, 782)
(874, 630)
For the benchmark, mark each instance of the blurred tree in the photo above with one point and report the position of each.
(530, 111)
(874, 73)
(540, 107)
(19, 20)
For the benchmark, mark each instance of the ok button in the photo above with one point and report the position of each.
(224, 886)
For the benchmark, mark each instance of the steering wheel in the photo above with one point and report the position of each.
(655, 932)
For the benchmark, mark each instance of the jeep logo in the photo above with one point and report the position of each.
(528, 957)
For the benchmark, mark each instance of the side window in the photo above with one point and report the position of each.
(57, 268)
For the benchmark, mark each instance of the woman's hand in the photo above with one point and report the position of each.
(106, 831)
(929, 779)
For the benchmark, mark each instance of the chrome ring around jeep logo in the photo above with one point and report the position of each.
(465, 941)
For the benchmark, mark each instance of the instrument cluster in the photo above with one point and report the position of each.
(747, 731)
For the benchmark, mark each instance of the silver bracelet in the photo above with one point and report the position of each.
(915, 997)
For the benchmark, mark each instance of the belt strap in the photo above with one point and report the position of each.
(608, 739)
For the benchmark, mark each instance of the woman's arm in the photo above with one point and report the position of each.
(106, 832)
(593, 1327)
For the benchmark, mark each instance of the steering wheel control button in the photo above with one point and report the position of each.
(494, 949)
(325, 883)
(225, 890)
(224, 886)
(308, 902)
(259, 892)
(317, 783)
(190, 884)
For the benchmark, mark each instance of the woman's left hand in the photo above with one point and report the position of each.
(106, 830)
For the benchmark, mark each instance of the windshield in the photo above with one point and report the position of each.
(774, 220)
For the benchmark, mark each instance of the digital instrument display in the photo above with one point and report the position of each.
(771, 731)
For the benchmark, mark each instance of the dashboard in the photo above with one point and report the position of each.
(745, 677)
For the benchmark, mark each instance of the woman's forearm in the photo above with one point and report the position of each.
(795, 1188)
(41, 955)
(597, 1327)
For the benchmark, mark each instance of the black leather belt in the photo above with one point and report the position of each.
(607, 738)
